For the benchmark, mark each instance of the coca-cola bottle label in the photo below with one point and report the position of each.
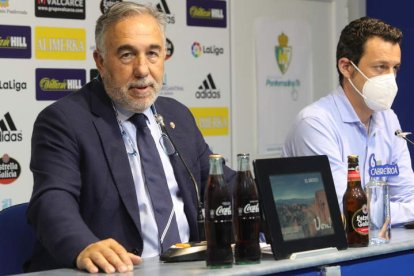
(252, 207)
(222, 211)
(360, 222)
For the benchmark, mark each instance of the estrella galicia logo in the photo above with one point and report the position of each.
(53, 84)
(169, 49)
(9, 169)
(15, 41)
(208, 89)
(379, 170)
(74, 9)
(197, 49)
(163, 7)
(283, 53)
(8, 130)
(106, 4)
(207, 13)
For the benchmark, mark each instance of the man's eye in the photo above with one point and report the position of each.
(127, 56)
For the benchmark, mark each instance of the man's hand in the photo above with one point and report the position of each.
(107, 255)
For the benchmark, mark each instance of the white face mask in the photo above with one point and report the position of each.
(378, 92)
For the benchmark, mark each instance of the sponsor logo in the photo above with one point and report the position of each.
(71, 9)
(12, 85)
(197, 49)
(385, 170)
(4, 9)
(60, 43)
(163, 7)
(9, 169)
(169, 49)
(207, 13)
(8, 130)
(212, 121)
(208, 89)
(168, 89)
(15, 41)
(4, 3)
(53, 84)
(283, 53)
(106, 4)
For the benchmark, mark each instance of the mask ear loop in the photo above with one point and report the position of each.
(352, 84)
(356, 67)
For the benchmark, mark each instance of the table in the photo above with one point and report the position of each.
(395, 258)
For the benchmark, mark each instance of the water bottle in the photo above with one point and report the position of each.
(378, 198)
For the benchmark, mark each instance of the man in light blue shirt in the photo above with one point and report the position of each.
(356, 118)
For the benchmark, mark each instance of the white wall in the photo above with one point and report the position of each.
(326, 18)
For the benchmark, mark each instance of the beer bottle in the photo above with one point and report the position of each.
(355, 207)
(246, 215)
(218, 216)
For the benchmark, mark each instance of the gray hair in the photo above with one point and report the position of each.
(120, 11)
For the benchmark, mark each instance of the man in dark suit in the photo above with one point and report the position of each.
(90, 204)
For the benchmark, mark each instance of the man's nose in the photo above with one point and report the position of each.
(141, 67)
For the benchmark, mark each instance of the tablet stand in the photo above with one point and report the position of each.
(313, 253)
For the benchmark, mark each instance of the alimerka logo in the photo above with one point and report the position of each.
(283, 53)
(60, 43)
(15, 41)
(53, 84)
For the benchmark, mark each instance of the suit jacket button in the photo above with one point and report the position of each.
(135, 251)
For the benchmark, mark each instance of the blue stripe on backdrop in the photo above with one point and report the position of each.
(399, 13)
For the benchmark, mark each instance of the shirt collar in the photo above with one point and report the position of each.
(347, 112)
(124, 115)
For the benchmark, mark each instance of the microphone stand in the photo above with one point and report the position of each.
(200, 207)
(403, 135)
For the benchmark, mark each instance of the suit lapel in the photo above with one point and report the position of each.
(114, 149)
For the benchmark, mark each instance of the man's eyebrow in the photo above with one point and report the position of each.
(125, 47)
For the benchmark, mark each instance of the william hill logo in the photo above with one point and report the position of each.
(163, 7)
(60, 43)
(53, 84)
(8, 130)
(208, 89)
(9, 169)
(15, 41)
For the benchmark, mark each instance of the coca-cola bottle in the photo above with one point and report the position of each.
(246, 215)
(218, 217)
(355, 207)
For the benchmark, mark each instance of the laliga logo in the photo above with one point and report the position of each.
(283, 53)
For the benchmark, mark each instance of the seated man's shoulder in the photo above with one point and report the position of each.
(323, 109)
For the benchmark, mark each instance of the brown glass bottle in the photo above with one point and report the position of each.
(355, 207)
(246, 214)
(218, 216)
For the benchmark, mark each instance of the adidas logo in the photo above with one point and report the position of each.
(208, 89)
(163, 7)
(9, 132)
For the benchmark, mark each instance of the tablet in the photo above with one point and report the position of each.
(299, 204)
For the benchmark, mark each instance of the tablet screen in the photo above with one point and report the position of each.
(301, 205)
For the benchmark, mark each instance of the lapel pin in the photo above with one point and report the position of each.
(172, 125)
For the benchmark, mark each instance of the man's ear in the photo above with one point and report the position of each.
(345, 67)
(98, 60)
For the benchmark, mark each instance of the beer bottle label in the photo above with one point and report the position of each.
(252, 207)
(360, 220)
(354, 175)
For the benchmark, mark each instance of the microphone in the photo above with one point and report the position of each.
(403, 135)
(200, 214)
